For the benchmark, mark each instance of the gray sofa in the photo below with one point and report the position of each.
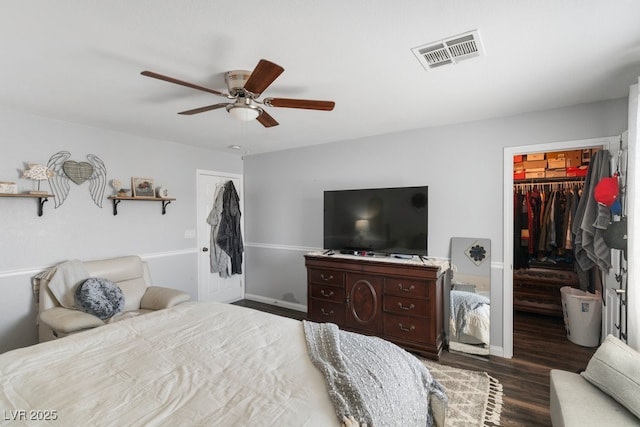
(607, 393)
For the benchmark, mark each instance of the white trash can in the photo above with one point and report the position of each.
(582, 316)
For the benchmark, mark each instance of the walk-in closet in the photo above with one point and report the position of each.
(547, 188)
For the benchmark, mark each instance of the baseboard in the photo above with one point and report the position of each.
(495, 350)
(276, 302)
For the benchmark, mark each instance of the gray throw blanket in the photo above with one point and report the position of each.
(372, 380)
(462, 304)
(592, 219)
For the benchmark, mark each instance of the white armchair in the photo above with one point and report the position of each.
(57, 311)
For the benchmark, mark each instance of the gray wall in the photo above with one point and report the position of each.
(461, 164)
(78, 228)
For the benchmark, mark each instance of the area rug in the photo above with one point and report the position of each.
(475, 398)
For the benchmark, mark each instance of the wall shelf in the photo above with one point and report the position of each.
(42, 198)
(164, 200)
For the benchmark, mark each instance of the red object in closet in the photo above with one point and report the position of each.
(577, 171)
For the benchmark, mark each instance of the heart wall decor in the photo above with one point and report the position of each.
(66, 170)
(77, 172)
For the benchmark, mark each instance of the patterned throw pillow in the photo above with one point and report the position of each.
(99, 297)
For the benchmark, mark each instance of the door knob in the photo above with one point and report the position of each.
(205, 249)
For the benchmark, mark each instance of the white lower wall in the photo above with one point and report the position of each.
(176, 269)
(17, 310)
(268, 279)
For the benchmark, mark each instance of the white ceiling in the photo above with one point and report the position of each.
(80, 61)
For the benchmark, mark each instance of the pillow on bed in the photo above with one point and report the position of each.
(615, 369)
(99, 297)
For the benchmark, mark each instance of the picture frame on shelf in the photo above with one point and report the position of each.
(143, 187)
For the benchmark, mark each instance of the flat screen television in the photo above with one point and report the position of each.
(385, 221)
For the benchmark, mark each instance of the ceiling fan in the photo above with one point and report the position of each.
(245, 87)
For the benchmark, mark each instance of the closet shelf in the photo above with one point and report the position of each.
(42, 198)
(549, 180)
(164, 200)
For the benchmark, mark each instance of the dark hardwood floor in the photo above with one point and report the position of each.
(540, 344)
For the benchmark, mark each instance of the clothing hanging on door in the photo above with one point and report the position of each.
(592, 219)
(219, 260)
(226, 233)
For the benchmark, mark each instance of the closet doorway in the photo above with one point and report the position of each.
(510, 266)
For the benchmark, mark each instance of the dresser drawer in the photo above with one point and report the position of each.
(407, 328)
(408, 288)
(327, 311)
(406, 306)
(326, 277)
(328, 293)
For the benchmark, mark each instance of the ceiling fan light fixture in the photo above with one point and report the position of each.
(243, 113)
(245, 87)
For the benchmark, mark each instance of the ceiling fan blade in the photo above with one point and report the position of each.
(203, 109)
(262, 76)
(305, 104)
(266, 120)
(180, 82)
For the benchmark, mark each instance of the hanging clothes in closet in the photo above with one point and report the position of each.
(543, 216)
(226, 234)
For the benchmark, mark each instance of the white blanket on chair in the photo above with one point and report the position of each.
(64, 278)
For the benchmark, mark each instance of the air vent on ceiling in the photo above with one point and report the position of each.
(449, 51)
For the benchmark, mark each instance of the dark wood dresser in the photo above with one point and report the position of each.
(400, 301)
(537, 290)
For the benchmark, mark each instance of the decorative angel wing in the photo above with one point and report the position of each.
(98, 179)
(59, 183)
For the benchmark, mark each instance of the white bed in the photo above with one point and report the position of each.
(225, 366)
(192, 364)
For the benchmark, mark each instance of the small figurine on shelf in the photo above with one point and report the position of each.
(117, 185)
(38, 173)
(8, 187)
(162, 192)
(120, 192)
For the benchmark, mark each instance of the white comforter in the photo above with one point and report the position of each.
(194, 364)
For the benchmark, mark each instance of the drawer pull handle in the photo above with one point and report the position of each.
(406, 307)
(325, 313)
(409, 329)
(326, 294)
(403, 289)
(326, 278)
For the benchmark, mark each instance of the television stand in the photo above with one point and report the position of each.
(396, 299)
